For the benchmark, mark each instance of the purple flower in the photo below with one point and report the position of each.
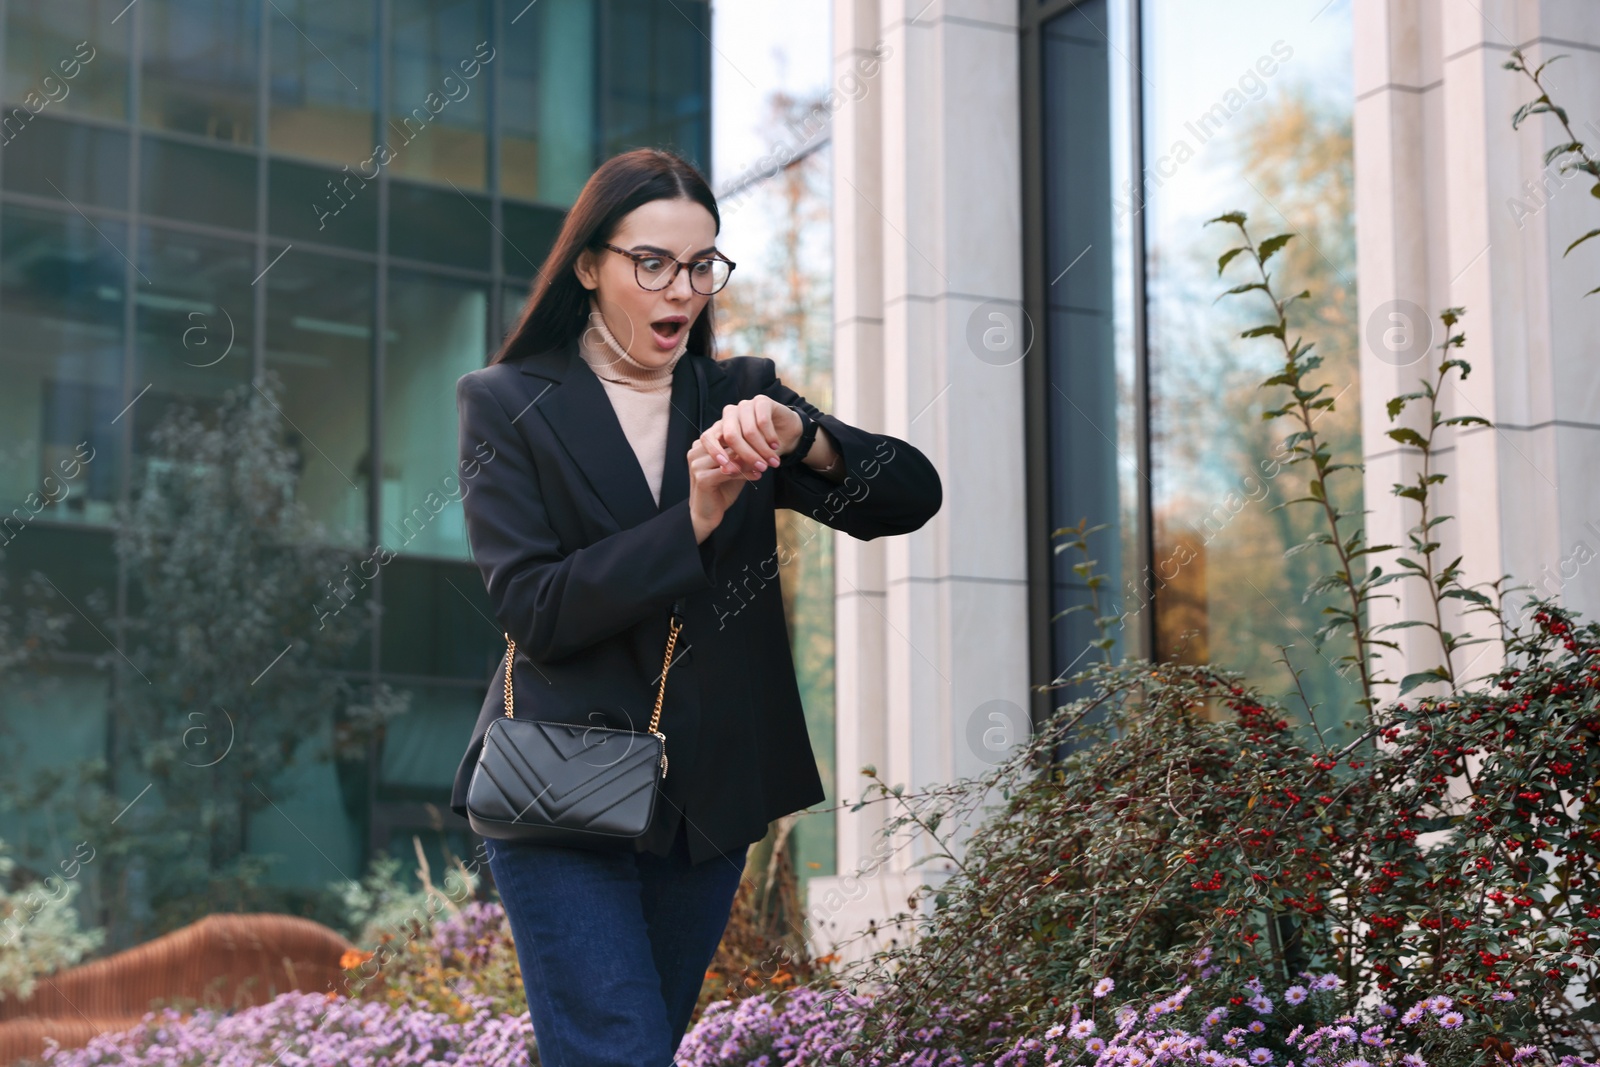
(1387, 1010)
(1094, 1046)
(1414, 1012)
(1440, 1003)
(1260, 1057)
(1082, 1028)
(1358, 1062)
(1256, 1026)
(1295, 994)
(1055, 1031)
(1503, 995)
(1261, 1004)
(1450, 1020)
(1104, 986)
(1211, 1058)
(1411, 1059)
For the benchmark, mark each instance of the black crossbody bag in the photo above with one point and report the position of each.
(557, 783)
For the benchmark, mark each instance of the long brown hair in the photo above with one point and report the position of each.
(557, 310)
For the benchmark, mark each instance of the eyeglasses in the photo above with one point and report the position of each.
(655, 272)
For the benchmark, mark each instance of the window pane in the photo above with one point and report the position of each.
(319, 340)
(512, 298)
(200, 67)
(1092, 423)
(55, 720)
(440, 225)
(547, 118)
(529, 233)
(82, 562)
(1245, 112)
(324, 79)
(437, 330)
(438, 96)
(171, 171)
(61, 286)
(194, 321)
(436, 620)
(422, 747)
(335, 207)
(71, 57)
(88, 165)
(656, 78)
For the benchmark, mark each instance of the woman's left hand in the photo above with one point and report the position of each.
(752, 435)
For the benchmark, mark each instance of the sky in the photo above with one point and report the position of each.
(758, 47)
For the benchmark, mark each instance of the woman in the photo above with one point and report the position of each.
(614, 472)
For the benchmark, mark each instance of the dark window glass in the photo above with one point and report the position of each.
(656, 78)
(437, 332)
(324, 79)
(422, 747)
(61, 286)
(439, 225)
(1090, 413)
(194, 321)
(68, 59)
(319, 340)
(440, 89)
(529, 232)
(547, 114)
(436, 620)
(194, 183)
(512, 299)
(86, 164)
(82, 565)
(200, 67)
(334, 207)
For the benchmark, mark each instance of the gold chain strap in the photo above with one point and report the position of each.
(661, 693)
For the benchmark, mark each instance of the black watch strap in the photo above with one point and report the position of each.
(808, 434)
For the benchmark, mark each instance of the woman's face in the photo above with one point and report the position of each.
(650, 324)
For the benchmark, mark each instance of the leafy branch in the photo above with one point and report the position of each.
(1305, 446)
(1442, 582)
(1578, 155)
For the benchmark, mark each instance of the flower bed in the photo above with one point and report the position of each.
(304, 1029)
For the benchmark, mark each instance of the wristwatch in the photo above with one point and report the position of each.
(808, 434)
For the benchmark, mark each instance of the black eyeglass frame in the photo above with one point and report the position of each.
(677, 265)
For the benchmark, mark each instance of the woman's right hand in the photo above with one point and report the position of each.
(712, 490)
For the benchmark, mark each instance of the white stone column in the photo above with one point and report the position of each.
(1455, 208)
(927, 227)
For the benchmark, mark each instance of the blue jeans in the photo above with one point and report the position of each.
(613, 946)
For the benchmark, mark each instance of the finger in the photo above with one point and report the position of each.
(750, 430)
(711, 441)
(765, 424)
(735, 434)
(708, 471)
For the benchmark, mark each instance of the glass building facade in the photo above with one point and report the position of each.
(353, 195)
(1143, 120)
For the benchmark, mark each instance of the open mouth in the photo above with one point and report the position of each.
(667, 331)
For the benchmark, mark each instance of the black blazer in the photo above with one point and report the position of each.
(583, 568)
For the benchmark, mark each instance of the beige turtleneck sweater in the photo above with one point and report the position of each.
(640, 395)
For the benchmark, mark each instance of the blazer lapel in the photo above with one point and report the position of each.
(577, 409)
(579, 412)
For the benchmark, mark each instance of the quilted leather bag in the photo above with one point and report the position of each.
(558, 783)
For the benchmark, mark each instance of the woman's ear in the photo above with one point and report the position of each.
(583, 267)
